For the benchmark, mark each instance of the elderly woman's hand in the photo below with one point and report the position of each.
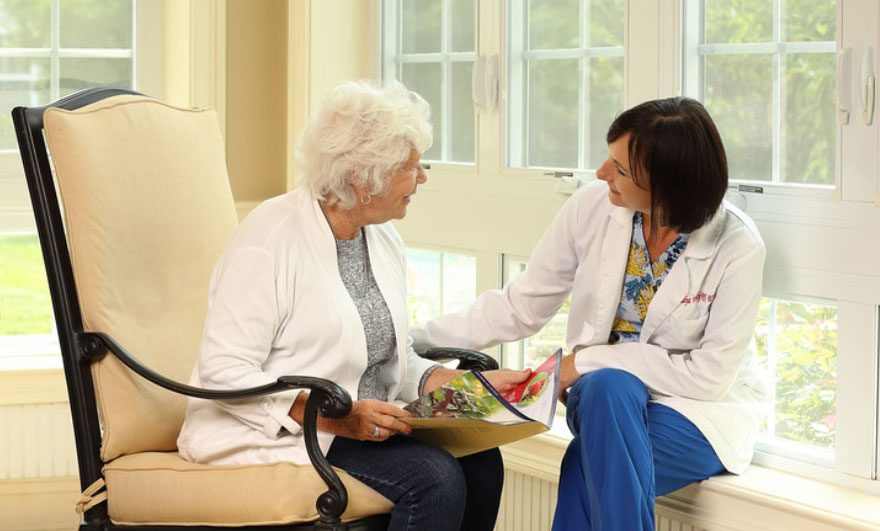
(370, 420)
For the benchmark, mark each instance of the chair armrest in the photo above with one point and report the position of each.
(325, 396)
(467, 359)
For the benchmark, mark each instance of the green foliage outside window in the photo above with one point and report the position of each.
(800, 342)
(25, 308)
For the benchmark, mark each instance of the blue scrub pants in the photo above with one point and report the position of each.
(625, 452)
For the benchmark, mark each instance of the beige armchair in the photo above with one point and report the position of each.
(138, 212)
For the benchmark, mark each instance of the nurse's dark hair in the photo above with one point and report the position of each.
(675, 142)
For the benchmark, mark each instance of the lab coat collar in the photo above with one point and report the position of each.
(702, 242)
(701, 246)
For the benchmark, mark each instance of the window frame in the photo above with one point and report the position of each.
(815, 239)
(442, 252)
(516, 82)
(393, 60)
(692, 55)
(16, 215)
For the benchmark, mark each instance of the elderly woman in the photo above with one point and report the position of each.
(665, 280)
(314, 283)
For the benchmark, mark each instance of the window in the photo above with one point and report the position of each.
(797, 344)
(532, 351)
(566, 81)
(438, 282)
(49, 49)
(430, 47)
(766, 72)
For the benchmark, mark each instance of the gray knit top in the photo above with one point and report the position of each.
(357, 275)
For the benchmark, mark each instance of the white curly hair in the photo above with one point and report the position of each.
(359, 134)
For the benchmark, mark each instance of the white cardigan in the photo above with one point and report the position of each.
(277, 306)
(694, 350)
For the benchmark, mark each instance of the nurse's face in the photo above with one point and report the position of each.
(616, 171)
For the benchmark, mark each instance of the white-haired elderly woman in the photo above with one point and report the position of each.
(314, 283)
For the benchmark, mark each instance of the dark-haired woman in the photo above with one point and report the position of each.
(665, 278)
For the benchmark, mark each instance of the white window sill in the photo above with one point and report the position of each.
(31, 371)
(779, 500)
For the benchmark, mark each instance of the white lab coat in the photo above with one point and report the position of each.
(278, 306)
(694, 350)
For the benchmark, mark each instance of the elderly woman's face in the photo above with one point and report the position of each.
(401, 187)
(622, 189)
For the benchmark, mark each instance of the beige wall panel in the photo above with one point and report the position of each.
(343, 43)
(256, 94)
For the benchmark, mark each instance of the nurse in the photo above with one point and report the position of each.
(661, 384)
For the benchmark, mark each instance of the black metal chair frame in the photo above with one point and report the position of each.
(80, 348)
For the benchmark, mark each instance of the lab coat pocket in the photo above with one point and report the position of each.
(686, 333)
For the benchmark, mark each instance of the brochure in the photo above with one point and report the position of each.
(467, 415)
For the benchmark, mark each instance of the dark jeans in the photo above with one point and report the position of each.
(430, 489)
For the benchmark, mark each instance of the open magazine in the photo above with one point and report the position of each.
(467, 415)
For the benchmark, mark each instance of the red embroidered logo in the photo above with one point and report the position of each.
(699, 297)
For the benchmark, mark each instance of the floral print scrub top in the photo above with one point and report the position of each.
(641, 282)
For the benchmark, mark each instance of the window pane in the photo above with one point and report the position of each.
(462, 27)
(91, 24)
(553, 24)
(553, 120)
(438, 282)
(424, 78)
(540, 346)
(808, 127)
(25, 306)
(25, 23)
(606, 90)
(78, 73)
(809, 20)
(565, 84)
(22, 82)
(423, 282)
(532, 351)
(798, 343)
(739, 96)
(733, 21)
(459, 281)
(421, 30)
(606, 17)
(461, 114)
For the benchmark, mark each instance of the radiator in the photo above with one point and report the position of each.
(36, 441)
(528, 502)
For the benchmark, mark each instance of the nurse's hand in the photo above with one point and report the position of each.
(505, 380)
(568, 375)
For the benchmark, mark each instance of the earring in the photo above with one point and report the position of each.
(366, 199)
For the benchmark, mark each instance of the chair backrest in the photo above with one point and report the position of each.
(147, 211)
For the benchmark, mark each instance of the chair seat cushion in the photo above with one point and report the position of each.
(161, 488)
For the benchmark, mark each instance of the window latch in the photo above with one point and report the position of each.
(559, 174)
